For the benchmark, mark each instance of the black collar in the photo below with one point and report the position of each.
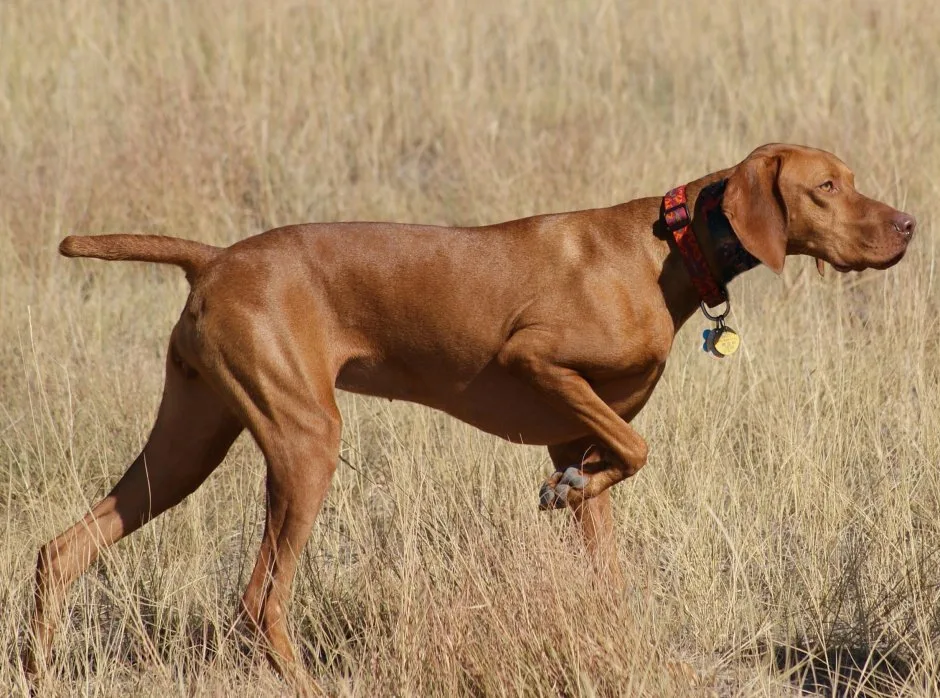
(730, 256)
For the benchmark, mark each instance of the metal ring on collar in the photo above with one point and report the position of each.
(718, 316)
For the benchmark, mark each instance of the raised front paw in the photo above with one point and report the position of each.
(563, 489)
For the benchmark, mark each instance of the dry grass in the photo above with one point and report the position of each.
(786, 530)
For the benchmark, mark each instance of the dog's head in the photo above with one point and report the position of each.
(786, 199)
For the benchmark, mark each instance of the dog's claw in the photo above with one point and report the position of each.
(555, 491)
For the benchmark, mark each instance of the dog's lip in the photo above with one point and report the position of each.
(845, 268)
(891, 262)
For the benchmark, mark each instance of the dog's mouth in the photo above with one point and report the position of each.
(891, 262)
(841, 268)
(880, 266)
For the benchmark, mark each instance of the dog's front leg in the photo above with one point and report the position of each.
(623, 451)
(594, 518)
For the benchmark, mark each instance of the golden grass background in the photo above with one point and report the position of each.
(787, 526)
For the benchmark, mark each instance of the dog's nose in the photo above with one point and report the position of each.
(904, 223)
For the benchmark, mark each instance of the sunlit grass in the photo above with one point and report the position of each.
(786, 531)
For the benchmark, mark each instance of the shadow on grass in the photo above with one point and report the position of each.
(869, 635)
(861, 672)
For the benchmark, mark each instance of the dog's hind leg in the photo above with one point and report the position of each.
(193, 432)
(281, 386)
(301, 459)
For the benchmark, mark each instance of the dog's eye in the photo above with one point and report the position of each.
(827, 185)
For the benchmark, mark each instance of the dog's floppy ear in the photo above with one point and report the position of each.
(757, 213)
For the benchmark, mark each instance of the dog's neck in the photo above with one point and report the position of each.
(728, 257)
(723, 252)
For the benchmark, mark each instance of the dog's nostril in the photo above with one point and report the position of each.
(904, 224)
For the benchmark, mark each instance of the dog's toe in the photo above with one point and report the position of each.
(546, 497)
(549, 497)
(574, 478)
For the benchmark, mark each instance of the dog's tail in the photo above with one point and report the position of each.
(191, 256)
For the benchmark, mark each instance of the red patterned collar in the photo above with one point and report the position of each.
(730, 256)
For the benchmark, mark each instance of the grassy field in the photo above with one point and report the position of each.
(786, 532)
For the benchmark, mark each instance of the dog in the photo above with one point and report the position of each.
(550, 330)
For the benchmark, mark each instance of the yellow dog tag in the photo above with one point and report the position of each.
(726, 341)
(721, 341)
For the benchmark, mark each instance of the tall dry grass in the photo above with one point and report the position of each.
(785, 533)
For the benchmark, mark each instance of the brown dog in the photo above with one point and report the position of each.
(547, 330)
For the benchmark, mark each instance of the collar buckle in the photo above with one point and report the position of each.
(676, 213)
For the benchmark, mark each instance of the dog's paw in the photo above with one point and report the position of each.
(563, 489)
